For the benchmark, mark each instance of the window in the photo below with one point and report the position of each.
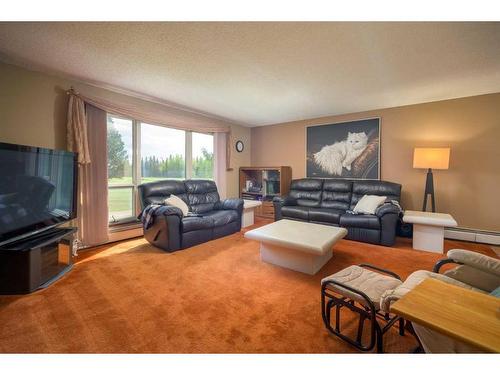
(163, 153)
(120, 161)
(140, 152)
(202, 156)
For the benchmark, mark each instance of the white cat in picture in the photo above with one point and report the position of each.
(332, 158)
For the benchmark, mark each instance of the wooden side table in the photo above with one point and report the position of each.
(462, 314)
(428, 229)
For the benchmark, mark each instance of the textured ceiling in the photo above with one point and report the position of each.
(264, 73)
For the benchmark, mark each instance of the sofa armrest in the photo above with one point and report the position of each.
(475, 260)
(279, 202)
(149, 215)
(284, 201)
(234, 204)
(387, 208)
(156, 210)
(388, 214)
(170, 210)
(230, 204)
(161, 225)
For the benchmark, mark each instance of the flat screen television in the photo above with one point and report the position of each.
(38, 188)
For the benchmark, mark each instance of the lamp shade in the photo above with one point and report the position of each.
(434, 158)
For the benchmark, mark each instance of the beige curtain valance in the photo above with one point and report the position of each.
(158, 114)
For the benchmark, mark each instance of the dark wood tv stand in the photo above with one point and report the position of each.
(36, 262)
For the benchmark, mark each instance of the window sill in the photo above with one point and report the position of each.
(120, 227)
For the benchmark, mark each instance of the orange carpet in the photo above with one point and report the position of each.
(214, 298)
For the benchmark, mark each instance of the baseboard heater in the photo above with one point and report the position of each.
(472, 235)
(118, 234)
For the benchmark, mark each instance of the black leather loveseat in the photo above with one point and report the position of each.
(171, 231)
(326, 202)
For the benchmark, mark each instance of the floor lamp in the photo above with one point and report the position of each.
(430, 158)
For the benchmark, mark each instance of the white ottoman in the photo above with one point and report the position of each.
(248, 212)
(300, 246)
(428, 229)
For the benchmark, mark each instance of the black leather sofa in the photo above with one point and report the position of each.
(325, 201)
(171, 231)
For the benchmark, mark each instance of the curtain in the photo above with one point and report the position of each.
(229, 143)
(77, 129)
(87, 133)
(88, 123)
(220, 166)
(161, 114)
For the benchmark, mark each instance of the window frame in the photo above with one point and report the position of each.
(133, 184)
(214, 158)
(136, 165)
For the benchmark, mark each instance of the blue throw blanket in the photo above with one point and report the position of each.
(151, 211)
(147, 215)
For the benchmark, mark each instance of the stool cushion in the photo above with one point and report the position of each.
(371, 283)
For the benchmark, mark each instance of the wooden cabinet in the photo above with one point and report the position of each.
(267, 209)
(263, 184)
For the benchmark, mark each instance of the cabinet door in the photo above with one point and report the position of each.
(267, 210)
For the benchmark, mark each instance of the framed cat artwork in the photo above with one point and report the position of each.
(344, 150)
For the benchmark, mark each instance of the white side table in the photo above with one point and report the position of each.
(428, 229)
(248, 212)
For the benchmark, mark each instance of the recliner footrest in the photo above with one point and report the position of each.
(365, 285)
(371, 283)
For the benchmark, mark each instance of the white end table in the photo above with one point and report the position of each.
(248, 212)
(428, 229)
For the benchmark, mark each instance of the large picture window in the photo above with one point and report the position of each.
(140, 152)
(120, 172)
(202, 155)
(163, 153)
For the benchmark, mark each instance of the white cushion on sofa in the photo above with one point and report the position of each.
(368, 204)
(174, 200)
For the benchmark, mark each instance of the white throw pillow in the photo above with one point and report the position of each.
(368, 204)
(174, 200)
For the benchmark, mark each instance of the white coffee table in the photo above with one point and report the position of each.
(249, 212)
(428, 229)
(300, 246)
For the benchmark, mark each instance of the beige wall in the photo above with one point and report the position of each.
(469, 190)
(33, 112)
(32, 108)
(238, 159)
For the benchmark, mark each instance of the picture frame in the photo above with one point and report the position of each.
(345, 150)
